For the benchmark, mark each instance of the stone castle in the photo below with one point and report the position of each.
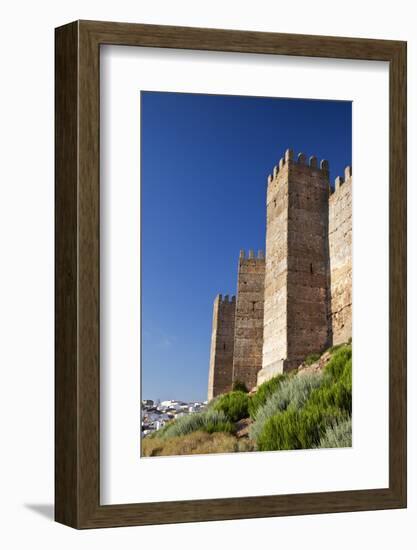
(297, 299)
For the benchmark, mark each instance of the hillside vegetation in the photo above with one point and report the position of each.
(304, 409)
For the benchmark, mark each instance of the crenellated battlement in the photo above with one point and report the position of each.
(341, 180)
(251, 255)
(300, 161)
(226, 299)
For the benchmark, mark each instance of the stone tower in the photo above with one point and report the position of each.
(297, 273)
(222, 346)
(249, 319)
(340, 245)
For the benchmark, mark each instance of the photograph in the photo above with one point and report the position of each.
(205, 331)
(246, 274)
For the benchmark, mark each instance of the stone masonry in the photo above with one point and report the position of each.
(222, 346)
(298, 300)
(249, 318)
(297, 272)
(340, 244)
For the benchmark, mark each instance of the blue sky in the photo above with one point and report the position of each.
(205, 161)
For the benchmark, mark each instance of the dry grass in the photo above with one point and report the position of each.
(195, 443)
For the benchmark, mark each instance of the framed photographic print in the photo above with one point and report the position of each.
(230, 274)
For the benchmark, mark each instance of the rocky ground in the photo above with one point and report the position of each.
(317, 365)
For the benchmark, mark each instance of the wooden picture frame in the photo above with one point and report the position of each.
(77, 372)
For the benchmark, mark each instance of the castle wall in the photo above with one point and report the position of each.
(249, 319)
(308, 276)
(297, 301)
(222, 346)
(340, 244)
(276, 267)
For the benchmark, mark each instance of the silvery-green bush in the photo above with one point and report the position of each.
(339, 434)
(292, 392)
(208, 421)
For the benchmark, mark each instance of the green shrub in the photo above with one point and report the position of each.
(308, 410)
(338, 434)
(239, 386)
(336, 395)
(262, 394)
(292, 391)
(336, 390)
(346, 377)
(312, 358)
(295, 429)
(234, 405)
(208, 421)
(337, 363)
